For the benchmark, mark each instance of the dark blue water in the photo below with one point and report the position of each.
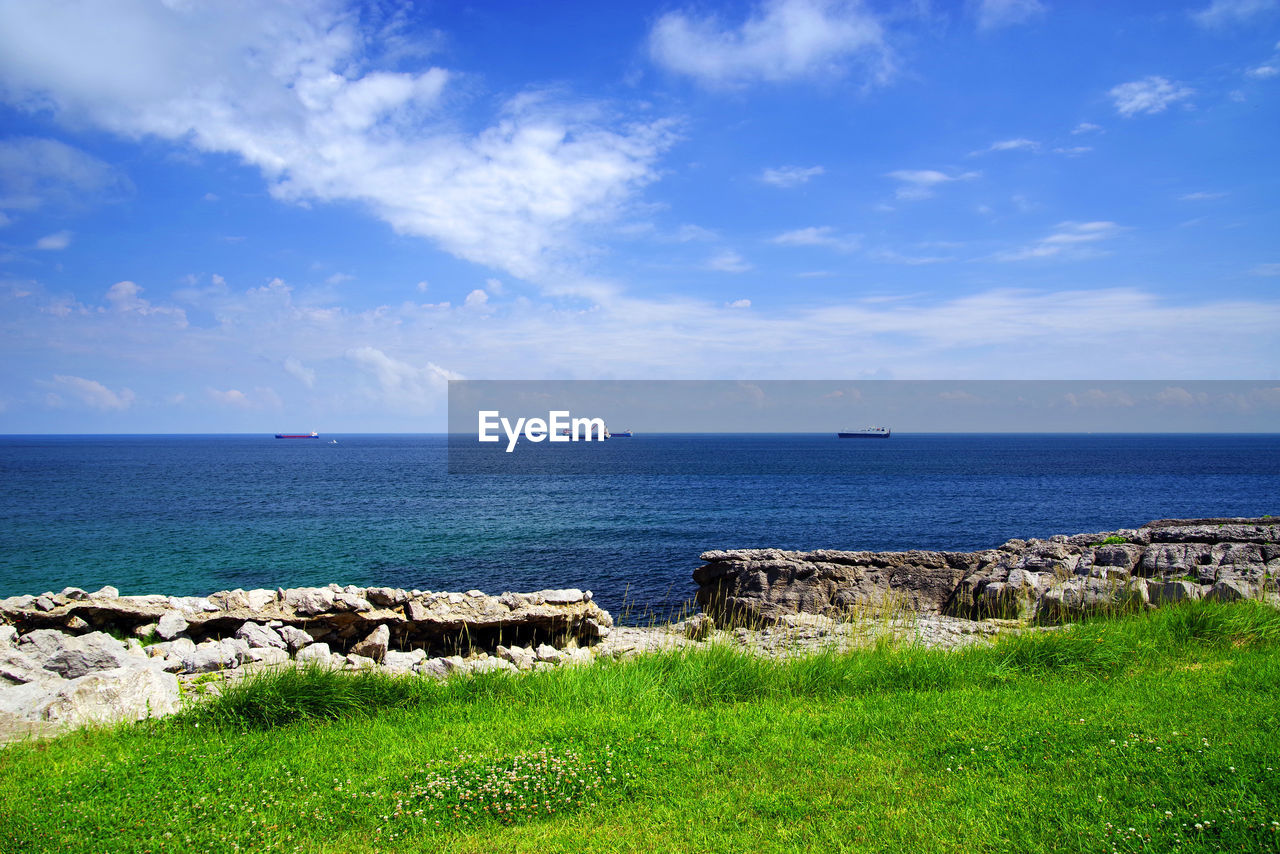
(191, 515)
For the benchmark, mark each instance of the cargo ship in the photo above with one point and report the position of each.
(311, 435)
(865, 433)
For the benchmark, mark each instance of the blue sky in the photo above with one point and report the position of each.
(221, 216)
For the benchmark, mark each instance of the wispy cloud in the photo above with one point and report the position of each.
(727, 261)
(54, 242)
(1149, 95)
(1265, 269)
(1263, 72)
(824, 235)
(921, 183)
(1066, 242)
(40, 173)
(1018, 144)
(1086, 127)
(1201, 197)
(1003, 13)
(780, 40)
(1221, 13)
(790, 176)
(94, 394)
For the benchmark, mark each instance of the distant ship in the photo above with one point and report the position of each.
(866, 433)
(621, 434)
(311, 435)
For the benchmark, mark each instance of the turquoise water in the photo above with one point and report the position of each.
(195, 514)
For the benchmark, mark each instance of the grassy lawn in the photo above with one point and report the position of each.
(1155, 732)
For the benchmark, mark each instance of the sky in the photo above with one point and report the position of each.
(219, 216)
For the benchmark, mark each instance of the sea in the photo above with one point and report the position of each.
(190, 515)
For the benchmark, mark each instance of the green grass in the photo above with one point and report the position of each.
(1113, 540)
(1153, 732)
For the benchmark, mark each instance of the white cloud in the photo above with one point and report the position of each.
(920, 183)
(54, 242)
(1220, 13)
(689, 233)
(234, 398)
(375, 366)
(1149, 95)
(1003, 13)
(36, 173)
(1018, 144)
(790, 176)
(1086, 127)
(300, 372)
(1263, 72)
(477, 299)
(817, 236)
(1074, 150)
(401, 384)
(739, 303)
(123, 298)
(727, 261)
(1067, 242)
(1096, 397)
(1201, 197)
(293, 89)
(94, 394)
(780, 40)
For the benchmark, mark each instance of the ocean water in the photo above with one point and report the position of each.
(195, 514)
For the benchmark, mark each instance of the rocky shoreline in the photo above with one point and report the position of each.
(1040, 581)
(75, 658)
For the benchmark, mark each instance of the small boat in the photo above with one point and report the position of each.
(865, 433)
(333, 441)
(621, 434)
(312, 435)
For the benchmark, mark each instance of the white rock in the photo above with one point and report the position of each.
(490, 665)
(294, 637)
(402, 661)
(522, 657)
(350, 602)
(260, 600)
(548, 653)
(124, 694)
(170, 625)
(375, 645)
(317, 652)
(258, 636)
(107, 592)
(309, 600)
(8, 636)
(267, 656)
(567, 596)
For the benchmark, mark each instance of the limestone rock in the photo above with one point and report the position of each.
(294, 638)
(170, 625)
(317, 653)
(548, 653)
(522, 657)
(258, 636)
(374, 646)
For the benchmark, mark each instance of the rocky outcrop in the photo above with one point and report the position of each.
(1038, 580)
(340, 616)
(61, 667)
